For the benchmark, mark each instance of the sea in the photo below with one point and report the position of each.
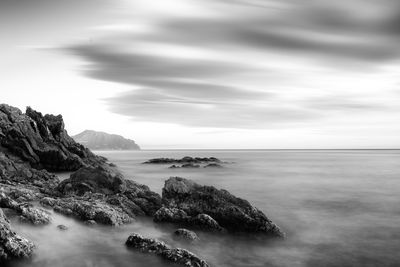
(338, 208)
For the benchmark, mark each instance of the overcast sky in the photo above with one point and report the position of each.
(209, 73)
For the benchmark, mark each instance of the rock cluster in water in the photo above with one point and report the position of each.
(188, 162)
(175, 255)
(189, 203)
(33, 145)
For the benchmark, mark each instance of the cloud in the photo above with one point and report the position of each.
(225, 92)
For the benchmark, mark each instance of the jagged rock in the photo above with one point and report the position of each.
(26, 211)
(185, 234)
(62, 227)
(234, 214)
(42, 140)
(175, 255)
(90, 222)
(12, 245)
(183, 160)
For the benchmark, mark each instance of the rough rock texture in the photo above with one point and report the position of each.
(175, 255)
(42, 140)
(11, 244)
(234, 214)
(100, 179)
(104, 141)
(89, 208)
(178, 216)
(134, 198)
(27, 212)
(183, 160)
(185, 234)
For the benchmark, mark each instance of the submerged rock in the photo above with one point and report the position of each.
(62, 227)
(213, 165)
(186, 234)
(234, 214)
(12, 246)
(175, 255)
(184, 160)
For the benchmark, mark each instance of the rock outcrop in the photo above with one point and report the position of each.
(175, 255)
(12, 246)
(42, 140)
(182, 196)
(104, 141)
(184, 160)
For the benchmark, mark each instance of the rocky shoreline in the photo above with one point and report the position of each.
(32, 146)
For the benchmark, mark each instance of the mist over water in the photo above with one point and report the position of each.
(338, 208)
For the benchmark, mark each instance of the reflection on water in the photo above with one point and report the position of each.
(338, 208)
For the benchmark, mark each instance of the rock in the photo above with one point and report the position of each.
(190, 165)
(26, 211)
(170, 215)
(234, 214)
(100, 179)
(175, 255)
(185, 234)
(183, 160)
(42, 140)
(104, 141)
(34, 215)
(12, 246)
(205, 222)
(62, 227)
(90, 222)
(213, 165)
(92, 209)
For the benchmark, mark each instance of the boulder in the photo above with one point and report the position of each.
(185, 234)
(100, 179)
(171, 215)
(12, 246)
(62, 227)
(175, 255)
(230, 212)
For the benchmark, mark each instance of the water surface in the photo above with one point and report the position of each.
(338, 208)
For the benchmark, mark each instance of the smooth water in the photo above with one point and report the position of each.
(338, 208)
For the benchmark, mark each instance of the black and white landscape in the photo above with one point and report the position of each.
(229, 133)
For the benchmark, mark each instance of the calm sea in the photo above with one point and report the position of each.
(338, 208)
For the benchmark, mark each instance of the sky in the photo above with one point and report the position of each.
(209, 74)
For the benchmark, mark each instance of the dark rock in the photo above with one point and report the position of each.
(90, 222)
(190, 165)
(62, 227)
(42, 140)
(205, 222)
(213, 165)
(234, 214)
(12, 246)
(183, 160)
(100, 179)
(185, 234)
(175, 255)
(171, 215)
